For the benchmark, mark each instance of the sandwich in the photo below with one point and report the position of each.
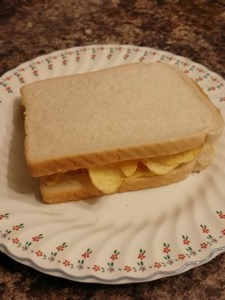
(120, 129)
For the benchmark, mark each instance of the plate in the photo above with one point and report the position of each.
(133, 237)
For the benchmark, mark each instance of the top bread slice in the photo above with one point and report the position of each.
(126, 112)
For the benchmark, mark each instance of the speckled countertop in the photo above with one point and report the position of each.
(194, 28)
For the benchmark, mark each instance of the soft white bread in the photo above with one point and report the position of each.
(127, 112)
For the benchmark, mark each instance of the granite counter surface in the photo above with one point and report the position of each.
(195, 29)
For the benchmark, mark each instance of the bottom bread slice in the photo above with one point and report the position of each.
(76, 185)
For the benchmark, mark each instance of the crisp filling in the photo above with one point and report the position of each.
(108, 178)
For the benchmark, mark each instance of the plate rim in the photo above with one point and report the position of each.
(186, 266)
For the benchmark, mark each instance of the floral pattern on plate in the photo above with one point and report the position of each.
(131, 237)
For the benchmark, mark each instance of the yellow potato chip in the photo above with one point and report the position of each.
(156, 167)
(106, 178)
(142, 171)
(129, 167)
(179, 158)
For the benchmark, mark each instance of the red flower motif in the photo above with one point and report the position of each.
(223, 231)
(60, 248)
(166, 250)
(157, 265)
(96, 268)
(141, 58)
(141, 255)
(203, 245)
(39, 253)
(15, 241)
(16, 227)
(35, 239)
(114, 256)
(185, 240)
(127, 269)
(212, 88)
(85, 255)
(1, 217)
(204, 229)
(8, 89)
(181, 256)
(220, 214)
(66, 263)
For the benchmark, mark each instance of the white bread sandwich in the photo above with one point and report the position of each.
(125, 128)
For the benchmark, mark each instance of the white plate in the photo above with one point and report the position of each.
(133, 237)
